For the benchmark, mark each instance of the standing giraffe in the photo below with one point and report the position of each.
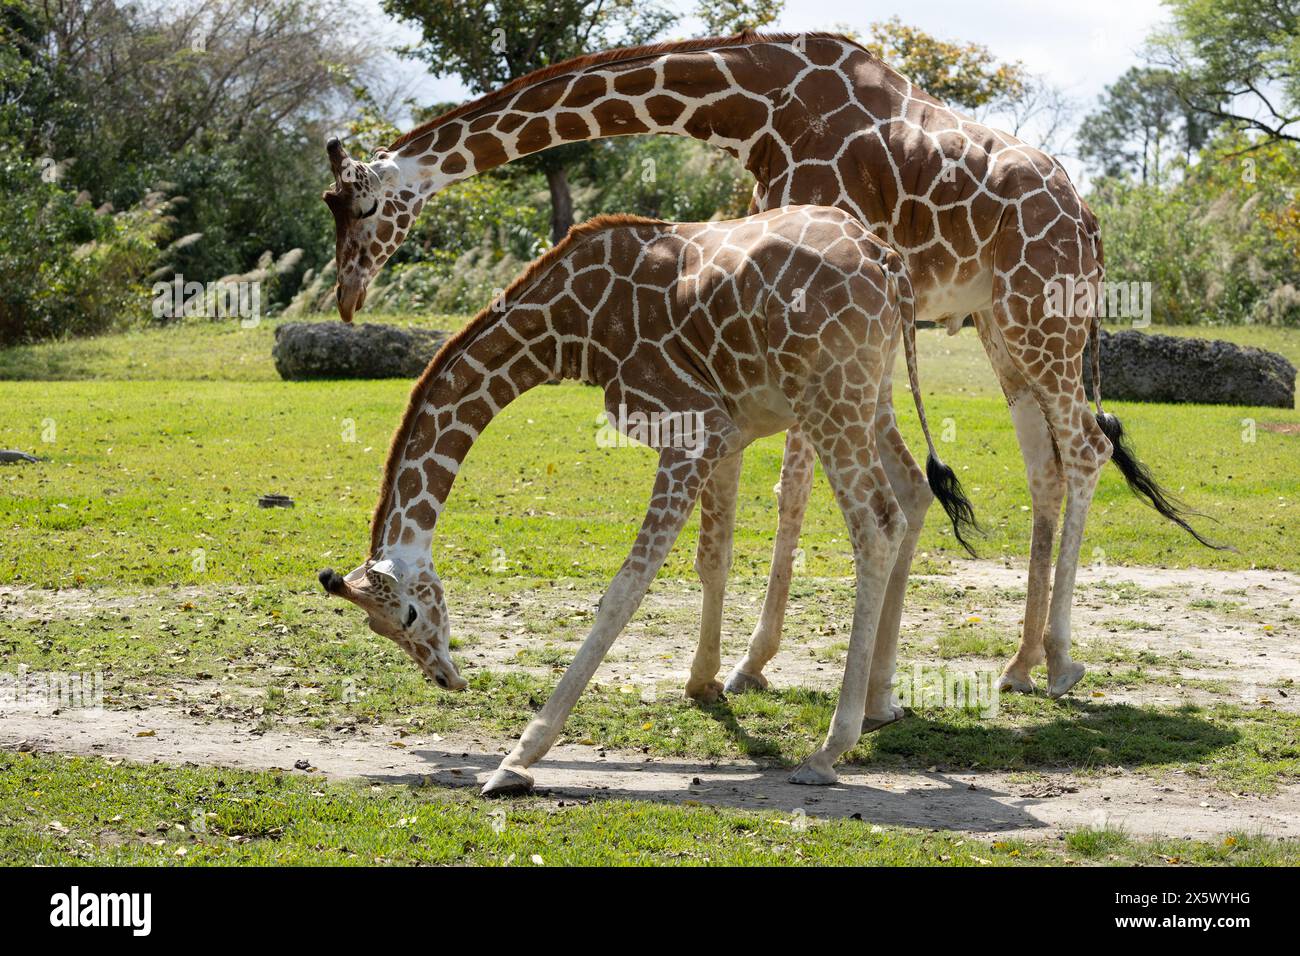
(730, 331)
(986, 225)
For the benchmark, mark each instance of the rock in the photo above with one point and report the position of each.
(332, 349)
(1143, 367)
(8, 456)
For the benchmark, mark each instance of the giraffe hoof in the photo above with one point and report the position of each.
(508, 783)
(1010, 683)
(812, 775)
(1060, 684)
(870, 724)
(738, 682)
(710, 693)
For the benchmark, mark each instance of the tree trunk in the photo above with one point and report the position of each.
(561, 202)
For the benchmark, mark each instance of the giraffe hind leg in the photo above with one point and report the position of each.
(912, 491)
(877, 527)
(1046, 493)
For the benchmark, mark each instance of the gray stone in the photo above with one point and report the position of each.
(8, 456)
(331, 349)
(1143, 367)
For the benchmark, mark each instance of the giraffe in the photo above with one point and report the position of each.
(987, 226)
(740, 329)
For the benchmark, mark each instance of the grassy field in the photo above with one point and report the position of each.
(156, 481)
(157, 444)
(60, 811)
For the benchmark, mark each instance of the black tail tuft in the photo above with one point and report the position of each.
(943, 482)
(1142, 482)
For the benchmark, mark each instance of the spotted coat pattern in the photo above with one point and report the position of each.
(788, 317)
(984, 222)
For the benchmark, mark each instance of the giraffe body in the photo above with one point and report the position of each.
(789, 317)
(985, 224)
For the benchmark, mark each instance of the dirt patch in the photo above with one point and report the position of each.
(1281, 428)
(1199, 636)
(986, 804)
(1196, 636)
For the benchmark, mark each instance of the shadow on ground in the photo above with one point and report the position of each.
(1084, 736)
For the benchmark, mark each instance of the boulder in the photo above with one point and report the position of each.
(332, 349)
(1142, 367)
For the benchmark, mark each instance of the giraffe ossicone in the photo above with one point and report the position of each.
(688, 319)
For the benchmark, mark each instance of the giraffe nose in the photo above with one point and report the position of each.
(330, 580)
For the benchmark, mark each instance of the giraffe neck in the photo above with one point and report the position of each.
(729, 94)
(527, 340)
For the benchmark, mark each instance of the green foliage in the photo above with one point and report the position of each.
(499, 207)
(247, 197)
(64, 269)
(673, 178)
(725, 17)
(188, 100)
(1237, 62)
(965, 75)
(1219, 245)
(1139, 117)
(489, 44)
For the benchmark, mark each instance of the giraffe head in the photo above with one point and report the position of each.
(406, 605)
(373, 209)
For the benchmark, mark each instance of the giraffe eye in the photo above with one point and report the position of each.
(410, 615)
(373, 209)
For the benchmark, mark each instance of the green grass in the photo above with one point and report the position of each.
(142, 475)
(159, 442)
(70, 811)
(192, 351)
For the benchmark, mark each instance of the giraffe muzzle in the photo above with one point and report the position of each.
(331, 581)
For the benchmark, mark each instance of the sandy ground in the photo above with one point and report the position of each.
(1234, 632)
(1238, 629)
(1029, 805)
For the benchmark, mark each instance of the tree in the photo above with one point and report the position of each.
(965, 75)
(725, 17)
(1236, 62)
(489, 44)
(226, 101)
(1139, 116)
(1042, 114)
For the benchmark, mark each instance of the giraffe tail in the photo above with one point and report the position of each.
(942, 480)
(1138, 476)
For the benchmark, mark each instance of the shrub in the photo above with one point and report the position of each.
(1219, 244)
(64, 268)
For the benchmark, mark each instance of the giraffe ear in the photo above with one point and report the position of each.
(387, 568)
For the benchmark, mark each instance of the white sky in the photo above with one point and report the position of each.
(1079, 46)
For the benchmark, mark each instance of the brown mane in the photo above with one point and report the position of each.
(455, 346)
(504, 93)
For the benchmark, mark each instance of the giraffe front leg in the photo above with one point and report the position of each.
(712, 564)
(792, 501)
(676, 487)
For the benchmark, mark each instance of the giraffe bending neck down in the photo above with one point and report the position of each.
(986, 225)
(744, 327)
